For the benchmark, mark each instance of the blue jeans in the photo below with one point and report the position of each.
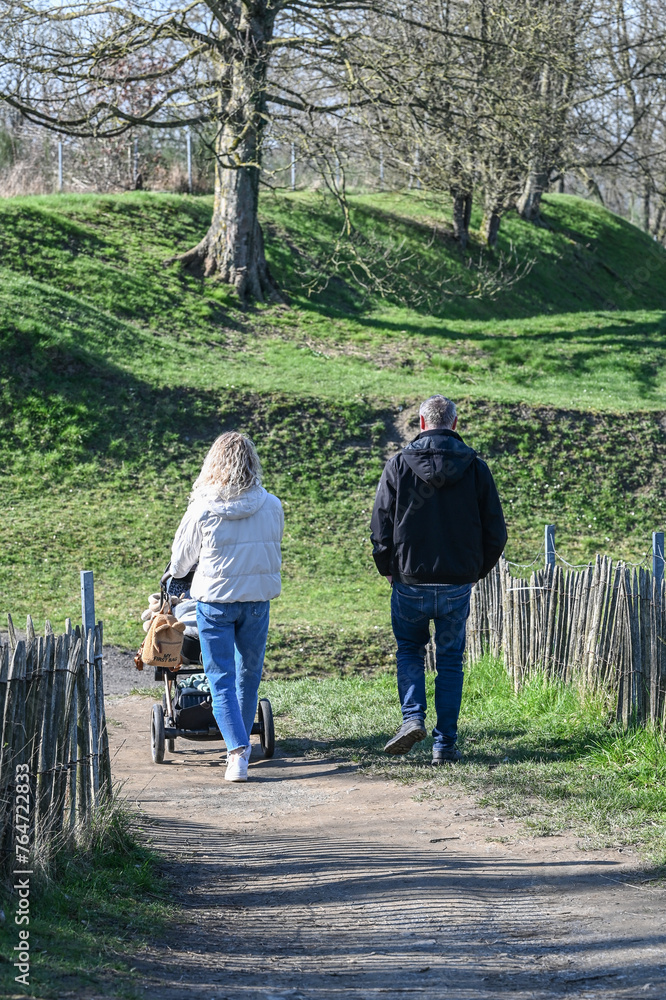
(412, 610)
(233, 644)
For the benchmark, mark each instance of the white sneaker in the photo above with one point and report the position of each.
(236, 765)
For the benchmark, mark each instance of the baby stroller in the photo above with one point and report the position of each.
(186, 711)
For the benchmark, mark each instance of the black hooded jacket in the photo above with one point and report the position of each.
(437, 515)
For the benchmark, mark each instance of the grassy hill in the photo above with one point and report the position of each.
(116, 374)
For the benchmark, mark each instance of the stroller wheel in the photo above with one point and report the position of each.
(157, 734)
(266, 728)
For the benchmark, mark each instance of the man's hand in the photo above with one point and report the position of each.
(390, 579)
(165, 578)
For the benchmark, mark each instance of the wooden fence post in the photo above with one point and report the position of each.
(13, 738)
(59, 785)
(87, 602)
(44, 725)
(550, 545)
(52, 719)
(602, 624)
(83, 784)
(660, 665)
(92, 716)
(5, 805)
(11, 631)
(658, 557)
(105, 755)
(66, 724)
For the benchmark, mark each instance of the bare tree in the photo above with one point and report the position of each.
(555, 79)
(86, 69)
(470, 97)
(481, 92)
(419, 81)
(630, 138)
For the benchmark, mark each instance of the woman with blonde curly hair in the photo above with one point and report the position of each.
(232, 532)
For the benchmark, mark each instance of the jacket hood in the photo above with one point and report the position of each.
(438, 457)
(245, 505)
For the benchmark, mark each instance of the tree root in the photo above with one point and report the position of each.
(252, 284)
(195, 261)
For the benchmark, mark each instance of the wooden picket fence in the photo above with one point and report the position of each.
(604, 626)
(53, 721)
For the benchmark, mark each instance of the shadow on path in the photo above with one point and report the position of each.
(277, 914)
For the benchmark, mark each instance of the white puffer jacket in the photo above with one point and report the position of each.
(236, 544)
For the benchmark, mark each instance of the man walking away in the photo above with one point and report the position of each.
(437, 528)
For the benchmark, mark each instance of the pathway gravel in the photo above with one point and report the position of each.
(313, 881)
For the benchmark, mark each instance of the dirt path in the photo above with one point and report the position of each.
(313, 882)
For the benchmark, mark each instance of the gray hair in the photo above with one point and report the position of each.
(438, 411)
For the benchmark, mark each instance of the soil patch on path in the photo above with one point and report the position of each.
(313, 882)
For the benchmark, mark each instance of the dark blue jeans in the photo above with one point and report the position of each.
(233, 644)
(412, 610)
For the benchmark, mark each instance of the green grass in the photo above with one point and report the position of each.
(549, 756)
(90, 913)
(583, 258)
(116, 373)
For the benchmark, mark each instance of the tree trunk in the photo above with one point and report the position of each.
(593, 189)
(529, 203)
(233, 247)
(234, 244)
(646, 207)
(462, 213)
(490, 225)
